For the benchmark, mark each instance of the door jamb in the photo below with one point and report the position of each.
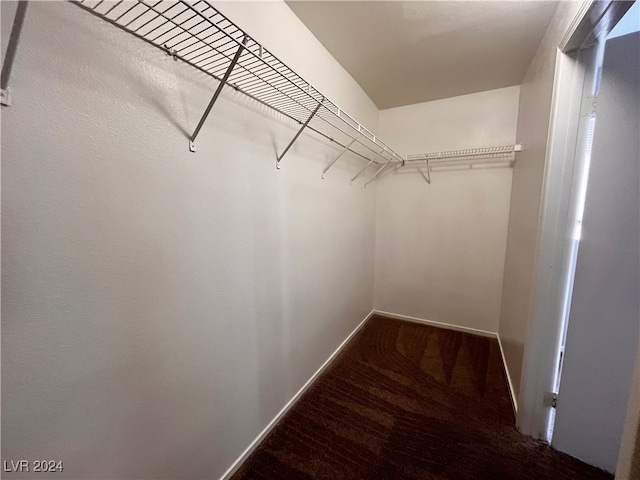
(593, 19)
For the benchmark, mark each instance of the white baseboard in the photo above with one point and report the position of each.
(474, 331)
(249, 450)
(240, 460)
(514, 402)
(448, 326)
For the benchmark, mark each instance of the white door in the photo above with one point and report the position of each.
(604, 321)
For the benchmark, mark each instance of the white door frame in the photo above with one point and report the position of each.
(553, 246)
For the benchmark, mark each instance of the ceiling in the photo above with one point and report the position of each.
(405, 52)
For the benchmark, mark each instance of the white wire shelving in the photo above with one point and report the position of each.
(196, 33)
(465, 158)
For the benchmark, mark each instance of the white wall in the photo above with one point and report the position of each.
(603, 331)
(159, 307)
(628, 465)
(527, 190)
(440, 248)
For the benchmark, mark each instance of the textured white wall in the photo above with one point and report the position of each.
(159, 307)
(440, 248)
(533, 130)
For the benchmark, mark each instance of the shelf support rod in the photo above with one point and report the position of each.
(376, 174)
(341, 153)
(427, 177)
(223, 82)
(366, 166)
(10, 54)
(304, 125)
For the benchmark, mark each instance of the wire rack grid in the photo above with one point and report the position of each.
(465, 155)
(197, 33)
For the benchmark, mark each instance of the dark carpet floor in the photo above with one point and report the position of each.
(409, 401)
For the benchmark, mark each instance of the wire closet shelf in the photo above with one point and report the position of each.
(471, 154)
(198, 34)
(465, 158)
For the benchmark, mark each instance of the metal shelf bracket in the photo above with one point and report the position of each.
(5, 97)
(341, 153)
(457, 158)
(376, 174)
(426, 176)
(197, 33)
(173, 53)
(223, 82)
(10, 54)
(366, 166)
(304, 125)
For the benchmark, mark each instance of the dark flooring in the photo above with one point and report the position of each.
(409, 401)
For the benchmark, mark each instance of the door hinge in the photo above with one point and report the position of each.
(551, 399)
(589, 105)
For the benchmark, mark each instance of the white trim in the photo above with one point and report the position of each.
(474, 331)
(573, 26)
(514, 402)
(256, 442)
(562, 172)
(448, 326)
